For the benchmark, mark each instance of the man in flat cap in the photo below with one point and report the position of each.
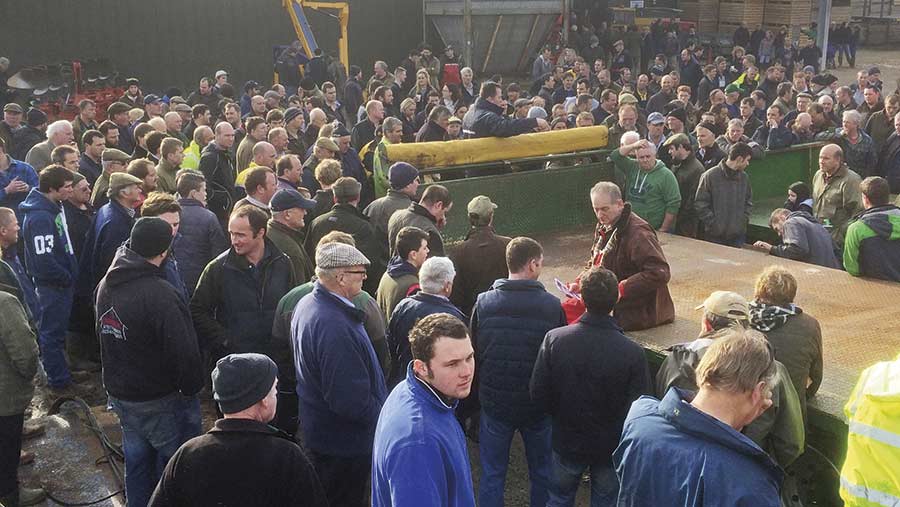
(110, 229)
(12, 120)
(241, 449)
(113, 161)
(323, 149)
(346, 216)
(339, 380)
(151, 361)
(234, 303)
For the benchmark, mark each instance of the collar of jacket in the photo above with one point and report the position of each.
(117, 207)
(349, 208)
(396, 194)
(240, 263)
(322, 293)
(517, 285)
(423, 391)
(481, 231)
(418, 209)
(246, 426)
(874, 209)
(186, 201)
(424, 297)
(297, 235)
(489, 106)
(676, 408)
(602, 321)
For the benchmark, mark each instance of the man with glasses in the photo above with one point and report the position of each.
(113, 161)
(340, 383)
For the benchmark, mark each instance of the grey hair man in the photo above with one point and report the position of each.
(58, 133)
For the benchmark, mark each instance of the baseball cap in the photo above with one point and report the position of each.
(656, 118)
(481, 205)
(151, 98)
(288, 198)
(221, 73)
(730, 305)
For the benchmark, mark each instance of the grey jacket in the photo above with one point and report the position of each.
(723, 203)
(39, 155)
(381, 209)
(804, 239)
(18, 357)
(417, 216)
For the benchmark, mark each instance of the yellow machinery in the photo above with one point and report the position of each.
(304, 30)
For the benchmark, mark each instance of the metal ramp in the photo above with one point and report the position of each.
(504, 35)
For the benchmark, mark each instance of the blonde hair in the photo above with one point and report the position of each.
(776, 286)
(736, 362)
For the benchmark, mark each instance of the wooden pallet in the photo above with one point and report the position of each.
(703, 12)
(749, 12)
(792, 14)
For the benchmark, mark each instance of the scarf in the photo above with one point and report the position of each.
(767, 318)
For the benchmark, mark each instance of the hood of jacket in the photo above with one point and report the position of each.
(398, 267)
(128, 266)
(36, 201)
(803, 214)
(879, 220)
(488, 106)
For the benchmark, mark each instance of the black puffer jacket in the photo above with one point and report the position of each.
(487, 120)
(508, 326)
(217, 165)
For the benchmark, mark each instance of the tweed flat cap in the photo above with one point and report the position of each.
(339, 255)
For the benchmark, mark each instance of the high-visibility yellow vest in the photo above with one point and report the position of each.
(871, 474)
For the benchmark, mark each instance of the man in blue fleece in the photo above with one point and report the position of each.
(420, 455)
(50, 260)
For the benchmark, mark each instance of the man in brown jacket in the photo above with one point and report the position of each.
(626, 245)
(481, 258)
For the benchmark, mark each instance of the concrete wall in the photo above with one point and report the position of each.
(174, 42)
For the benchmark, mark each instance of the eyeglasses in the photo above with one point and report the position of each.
(354, 272)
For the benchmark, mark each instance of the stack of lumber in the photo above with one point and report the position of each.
(734, 12)
(703, 12)
(788, 12)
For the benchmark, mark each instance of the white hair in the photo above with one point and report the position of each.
(58, 127)
(825, 98)
(435, 274)
(629, 137)
(736, 122)
(852, 116)
(466, 70)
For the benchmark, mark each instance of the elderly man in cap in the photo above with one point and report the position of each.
(780, 430)
(58, 133)
(12, 120)
(30, 134)
(404, 183)
(117, 113)
(241, 448)
(151, 361)
(324, 148)
(481, 258)
(110, 229)
(113, 161)
(339, 380)
(234, 303)
(285, 229)
(346, 216)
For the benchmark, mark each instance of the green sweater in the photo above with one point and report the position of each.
(651, 194)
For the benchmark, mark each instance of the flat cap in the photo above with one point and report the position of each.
(12, 107)
(182, 108)
(339, 255)
(114, 155)
(117, 108)
(481, 205)
(327, 144)
(118, 181)
(627, 98)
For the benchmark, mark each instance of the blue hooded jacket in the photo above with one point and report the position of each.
(673, 454)
(49, 257)
(25, 173)
(420, 455)
(111, 228)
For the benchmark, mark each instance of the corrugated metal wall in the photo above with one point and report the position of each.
(174, 42)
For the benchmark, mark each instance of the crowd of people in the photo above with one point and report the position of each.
(264, 250)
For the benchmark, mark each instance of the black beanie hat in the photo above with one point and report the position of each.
(241, 380)
(802, 190)
(150, 237)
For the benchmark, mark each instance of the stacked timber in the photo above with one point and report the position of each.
(734, 12)
(703, 12)
(787, 12)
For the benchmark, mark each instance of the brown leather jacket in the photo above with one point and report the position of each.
(631, 250)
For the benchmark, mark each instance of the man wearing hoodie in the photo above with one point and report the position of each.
(151, 360)
(803, 238)
(50, 260)
(652, 189)
(401, 278)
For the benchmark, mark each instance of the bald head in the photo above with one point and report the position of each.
(317, 117)
(831, 156)
(264, 154)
